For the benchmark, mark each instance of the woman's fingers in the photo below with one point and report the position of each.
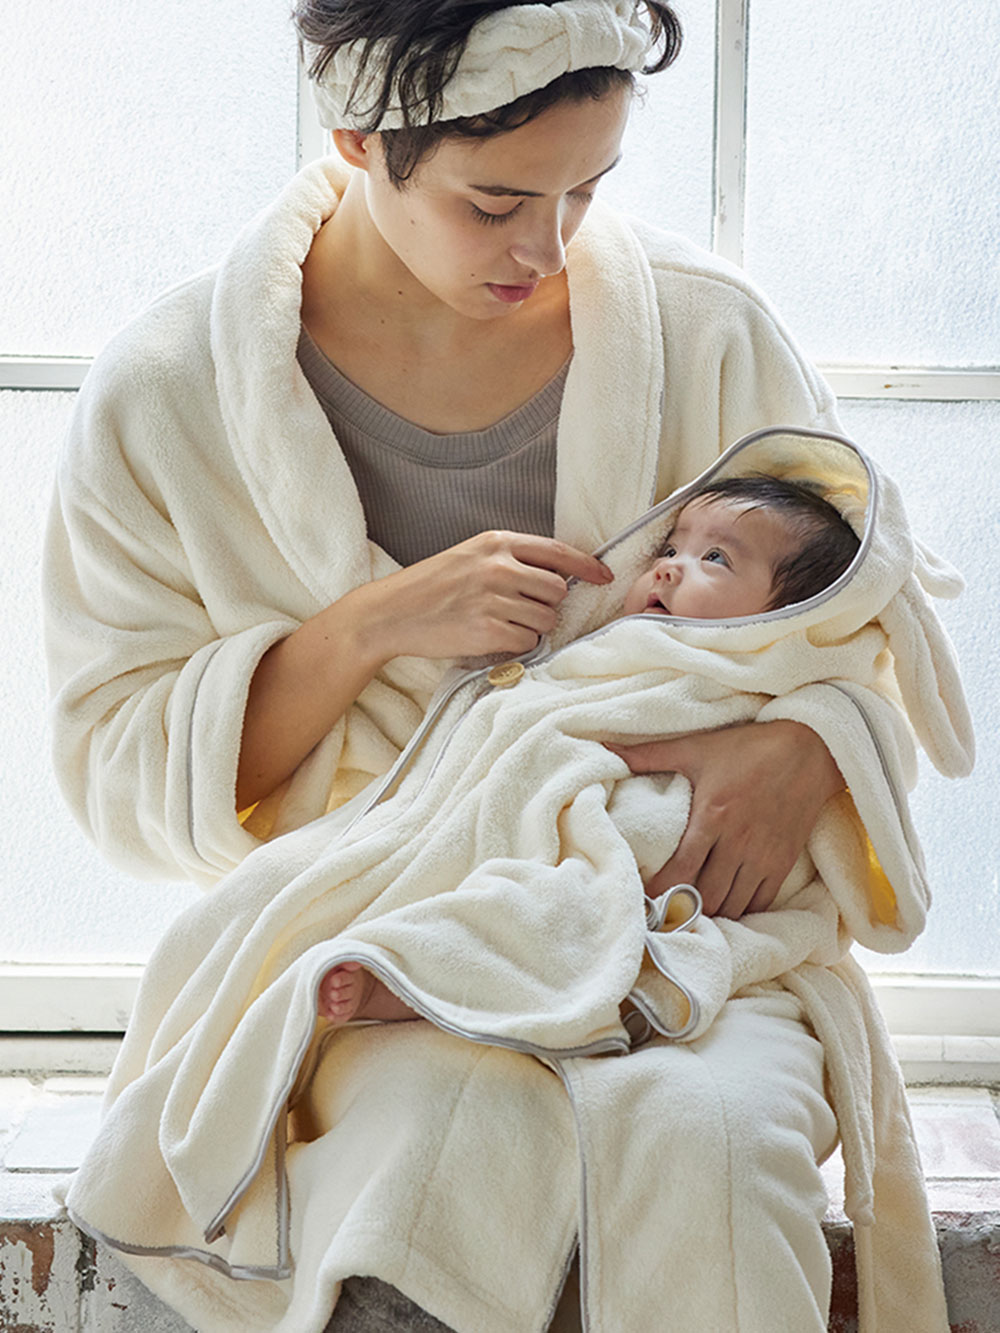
(729, 887)
(495, 592)
(525, 611)
(765, 895)
(756, 793)
(552, 554)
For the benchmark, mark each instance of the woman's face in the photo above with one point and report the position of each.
(482, 221)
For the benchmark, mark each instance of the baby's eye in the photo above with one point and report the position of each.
(716, 556)
(669, 551)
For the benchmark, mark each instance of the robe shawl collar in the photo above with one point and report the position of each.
(609, 427)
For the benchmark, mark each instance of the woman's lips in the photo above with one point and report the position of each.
(511, 294)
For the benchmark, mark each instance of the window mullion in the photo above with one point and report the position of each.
(313, 140)
(729, 167)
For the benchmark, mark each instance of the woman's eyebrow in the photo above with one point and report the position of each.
(501, 190)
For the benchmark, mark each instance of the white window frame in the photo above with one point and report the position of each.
(945, 1028)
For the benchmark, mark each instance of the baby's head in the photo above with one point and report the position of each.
(742, 546)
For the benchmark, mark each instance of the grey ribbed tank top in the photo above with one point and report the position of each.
(422, 492)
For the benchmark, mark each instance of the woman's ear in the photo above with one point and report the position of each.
(355, 147)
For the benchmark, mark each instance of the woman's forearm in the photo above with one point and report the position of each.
(302, 686)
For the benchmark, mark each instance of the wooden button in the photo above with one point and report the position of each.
(505, 674)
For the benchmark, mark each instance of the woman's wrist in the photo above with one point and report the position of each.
(814, 759)
(363, 627)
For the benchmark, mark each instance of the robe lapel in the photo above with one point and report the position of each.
(609, 430)
(296, 472)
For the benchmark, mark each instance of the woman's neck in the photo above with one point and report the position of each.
(411, 351)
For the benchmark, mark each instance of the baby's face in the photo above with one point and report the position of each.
(717, 563)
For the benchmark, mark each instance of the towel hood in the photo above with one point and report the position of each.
(890, 581)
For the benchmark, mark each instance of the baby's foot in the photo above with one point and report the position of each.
(348, 991)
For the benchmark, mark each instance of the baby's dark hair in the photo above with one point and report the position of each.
(825, 542)
(423, 43)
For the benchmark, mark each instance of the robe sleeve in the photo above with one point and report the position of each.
(163, 589)
(149, 686)
(148, 696)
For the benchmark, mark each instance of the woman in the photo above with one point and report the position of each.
(248, 613)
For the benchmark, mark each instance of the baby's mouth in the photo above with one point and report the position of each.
(655, 604)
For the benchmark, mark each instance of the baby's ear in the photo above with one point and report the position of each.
(927, 673)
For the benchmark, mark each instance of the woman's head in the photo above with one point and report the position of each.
(485, 221)
(397, 66)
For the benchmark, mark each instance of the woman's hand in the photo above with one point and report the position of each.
(757, 790)
(495, 593)
(498, 592)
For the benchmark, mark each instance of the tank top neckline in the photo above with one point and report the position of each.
(450, 448)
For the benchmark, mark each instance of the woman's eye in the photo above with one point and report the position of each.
(481, 215)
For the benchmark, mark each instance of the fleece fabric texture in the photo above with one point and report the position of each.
(507, 55)
(158, 615)
(494, 882)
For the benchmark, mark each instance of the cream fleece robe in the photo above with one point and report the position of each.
(158, 612)
(492, 880)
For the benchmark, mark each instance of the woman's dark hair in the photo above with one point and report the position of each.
(825, 543)
(423, 43)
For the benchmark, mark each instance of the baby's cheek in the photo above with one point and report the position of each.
(635, 598)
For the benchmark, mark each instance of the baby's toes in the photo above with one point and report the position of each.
(338, 994)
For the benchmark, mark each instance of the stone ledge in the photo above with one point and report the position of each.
(54, 1280)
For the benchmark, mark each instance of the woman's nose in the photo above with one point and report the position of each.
(541, 248)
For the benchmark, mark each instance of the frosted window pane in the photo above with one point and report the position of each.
(61, 903)
(665, 176)
(138, 138)
(873, 177)
(944, 456)
(58, 901)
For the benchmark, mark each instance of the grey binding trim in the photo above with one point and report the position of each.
(657, 908)
(656, 911)
(679, 497)
(215, 1228)
(241, 1272)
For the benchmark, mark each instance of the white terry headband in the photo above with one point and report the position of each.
(507, 54)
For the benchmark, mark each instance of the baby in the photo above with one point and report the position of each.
(739, 547)
(742, 546)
